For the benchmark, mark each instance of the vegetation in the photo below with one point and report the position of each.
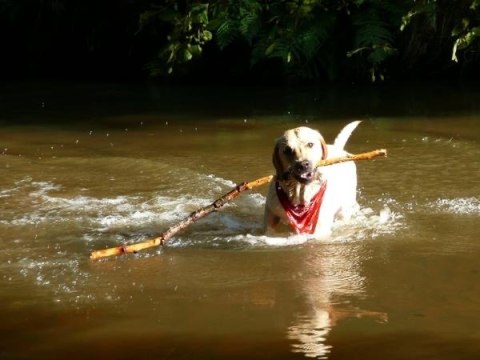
(317, 40)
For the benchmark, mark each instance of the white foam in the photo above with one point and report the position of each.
(89, 203)
(43, 187)
(284, 241)
(368, 224)
(220, 180)
(239, 221)
(460, 206)
(6, 193)
(365, 224)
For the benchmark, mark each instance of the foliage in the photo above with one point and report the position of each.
(320, 38)
(375, 24)
(455, 22)
(336, 40)
(188, 33)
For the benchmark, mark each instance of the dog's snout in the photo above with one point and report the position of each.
(303, 166)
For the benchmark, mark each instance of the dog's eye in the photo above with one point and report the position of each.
(310, 144)
(288, 150)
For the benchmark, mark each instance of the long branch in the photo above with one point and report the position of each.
(217, 204)
(194, 216)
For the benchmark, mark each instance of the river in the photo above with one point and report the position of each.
(89, 166)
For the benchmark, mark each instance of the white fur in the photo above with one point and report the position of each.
(340, 196)
(344, 134)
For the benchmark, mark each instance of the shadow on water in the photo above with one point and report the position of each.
(89, 166)
(67, 103)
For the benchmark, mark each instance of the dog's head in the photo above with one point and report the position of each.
(298, 152)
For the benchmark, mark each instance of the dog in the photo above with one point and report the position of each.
(303, 197)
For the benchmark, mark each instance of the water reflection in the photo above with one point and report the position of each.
(336, 279)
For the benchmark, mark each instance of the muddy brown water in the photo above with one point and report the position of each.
(86, 167)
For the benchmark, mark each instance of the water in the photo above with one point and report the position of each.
(88, 167)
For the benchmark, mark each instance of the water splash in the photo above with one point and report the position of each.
(459, 206)
(240, 221)
(81, 222)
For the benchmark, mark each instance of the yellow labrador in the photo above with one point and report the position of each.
(304, 197)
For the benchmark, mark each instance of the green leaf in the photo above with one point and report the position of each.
(195, 50)
(226, 34)
(270, 49)
(187, 55)
(426, 7)
(465, 41)
(199, 13)
(207, 35)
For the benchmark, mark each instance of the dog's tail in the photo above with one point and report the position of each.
(344, 135)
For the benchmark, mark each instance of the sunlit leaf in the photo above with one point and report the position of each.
(464, 41)
(207, 35)
(187, 55)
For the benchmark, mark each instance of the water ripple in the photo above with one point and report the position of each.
(240, 222)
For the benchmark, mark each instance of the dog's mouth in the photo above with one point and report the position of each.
(302, 171)
(304, 177)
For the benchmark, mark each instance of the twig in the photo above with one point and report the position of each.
(217, 204)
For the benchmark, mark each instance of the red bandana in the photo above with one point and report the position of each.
(302, 218)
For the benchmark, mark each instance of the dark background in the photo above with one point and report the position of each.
(102, 40)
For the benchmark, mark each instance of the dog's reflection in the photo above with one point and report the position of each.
(334, 282)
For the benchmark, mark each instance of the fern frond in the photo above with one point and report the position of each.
(371, 30)
(226, 33)
(249, 19)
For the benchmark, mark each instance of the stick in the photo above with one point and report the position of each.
(353, 157)
(194, 216)
(217, 204)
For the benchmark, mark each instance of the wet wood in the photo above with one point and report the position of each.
(354, 157)
(217, 204)
(193, 217)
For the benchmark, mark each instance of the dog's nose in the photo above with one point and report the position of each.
(303, 166)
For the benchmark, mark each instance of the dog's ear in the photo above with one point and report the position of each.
(277, 162)
(324, 148)
(323, 144)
